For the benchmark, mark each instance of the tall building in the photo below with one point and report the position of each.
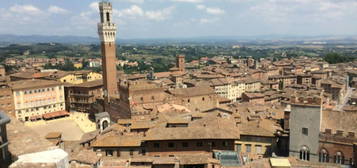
(305, 122)
(180, 62)
(107, 32)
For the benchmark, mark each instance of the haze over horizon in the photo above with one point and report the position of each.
(139, 19)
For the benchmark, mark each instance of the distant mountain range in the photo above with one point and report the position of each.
(11, 39)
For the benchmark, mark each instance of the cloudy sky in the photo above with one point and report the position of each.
(182, 18)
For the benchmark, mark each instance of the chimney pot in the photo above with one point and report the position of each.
(351, 134)
(339, 133)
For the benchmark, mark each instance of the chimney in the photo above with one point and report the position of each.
(328, 131)
(351, 134)
(339, 133)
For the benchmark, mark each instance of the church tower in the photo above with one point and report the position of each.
(107, 32)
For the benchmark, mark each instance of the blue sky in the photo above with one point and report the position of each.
(182, 18)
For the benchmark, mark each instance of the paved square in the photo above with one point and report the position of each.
(69, 129)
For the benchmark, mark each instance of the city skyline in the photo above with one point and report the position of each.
(182, 18)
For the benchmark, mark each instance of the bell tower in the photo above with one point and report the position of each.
(107, 33)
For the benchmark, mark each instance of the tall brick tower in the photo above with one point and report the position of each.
(180, 62)
(107, 31)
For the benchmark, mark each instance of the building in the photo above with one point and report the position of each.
(81, 97)
(38, 99)
(257, 139)
(107, 33)
(5, 157)
(6, 99)
(304, 124)
(2, 71)
(180, 62)
(75, 77)
(256, 98)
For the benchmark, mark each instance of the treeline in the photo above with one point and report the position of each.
(334, 58)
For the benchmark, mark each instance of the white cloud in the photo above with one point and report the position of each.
(207, 20)
(212, 11)
(159, 15)
(215, 11)
(57, 10)
(133, 11)
(25, 9)
(189, 1)
(136, 11)
(284, 11)
(201, 7)
(94, 6)
(132, 1)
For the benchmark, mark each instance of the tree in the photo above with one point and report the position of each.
(334, 58)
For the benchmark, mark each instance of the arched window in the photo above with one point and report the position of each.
(323, 156)
(105, 124)
(339, 159)
(305, 153)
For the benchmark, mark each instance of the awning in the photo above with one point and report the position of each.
(55, 114)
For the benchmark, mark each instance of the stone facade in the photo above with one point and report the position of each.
(304, 126)
(6, 99)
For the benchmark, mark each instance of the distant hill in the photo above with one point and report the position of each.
(46, 39)
(263, 39)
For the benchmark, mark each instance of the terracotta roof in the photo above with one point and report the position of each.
(192, 91)
(265, 128)
(113, 139)
(32, 84)
(23, 140)
(95, 83)
(141, 125)
(87, 157)
(209, 127)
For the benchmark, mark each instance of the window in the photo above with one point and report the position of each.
(199, 144)
(225, 143)
(171, 145)
(184, 144)
(339, 159)
(305, 153)
(109, 153)
(131, 153)
(239, 147)
(323, 156)
(305, 131)
(108, 17)
(156, 145)
(118, 153)
(248, 148)
(213, 144)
